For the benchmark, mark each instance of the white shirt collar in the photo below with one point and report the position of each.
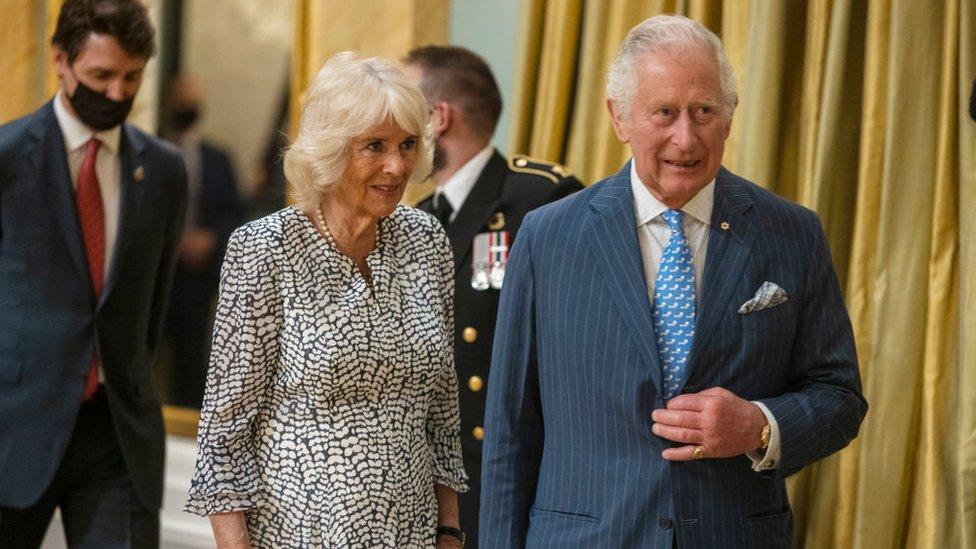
(647, 207)
(76, 133)
(459, 186)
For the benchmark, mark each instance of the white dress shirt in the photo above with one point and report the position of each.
(76, 135)
(652, 237)
(457, 188)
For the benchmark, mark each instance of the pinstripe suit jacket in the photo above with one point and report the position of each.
(569, 458)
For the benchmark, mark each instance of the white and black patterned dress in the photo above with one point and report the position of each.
(331, 410)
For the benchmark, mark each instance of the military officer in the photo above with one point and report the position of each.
(481, 199)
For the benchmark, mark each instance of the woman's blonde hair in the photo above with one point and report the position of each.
(349, 95)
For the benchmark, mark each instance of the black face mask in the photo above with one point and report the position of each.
(184, 118)
(96, 110)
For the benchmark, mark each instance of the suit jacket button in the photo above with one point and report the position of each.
(478, 433)
(475, 383)
(665, 523)
(469, 334)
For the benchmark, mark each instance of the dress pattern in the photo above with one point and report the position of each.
(331, 408)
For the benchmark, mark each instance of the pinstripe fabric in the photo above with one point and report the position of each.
(569, 457)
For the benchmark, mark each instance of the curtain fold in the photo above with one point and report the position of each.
(858, 111)
(26, 27)
(964, 431)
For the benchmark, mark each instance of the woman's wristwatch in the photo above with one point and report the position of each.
(451, 531)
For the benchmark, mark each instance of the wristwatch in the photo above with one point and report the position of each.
(451, 531)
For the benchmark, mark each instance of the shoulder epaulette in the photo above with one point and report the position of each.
(551, 171)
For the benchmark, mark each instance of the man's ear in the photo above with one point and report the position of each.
(620, 126)
(59, 58)
(442, 119)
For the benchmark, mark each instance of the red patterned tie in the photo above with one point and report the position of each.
(88, 199)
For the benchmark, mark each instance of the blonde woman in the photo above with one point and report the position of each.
(330, 417)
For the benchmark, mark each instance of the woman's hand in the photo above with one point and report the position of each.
(447, 515)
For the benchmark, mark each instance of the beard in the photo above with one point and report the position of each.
(440, 158)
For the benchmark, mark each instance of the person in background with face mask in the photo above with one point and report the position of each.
(91, 213)
(214, 212)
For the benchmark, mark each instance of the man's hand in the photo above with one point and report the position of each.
(723, 424)
(197, 247)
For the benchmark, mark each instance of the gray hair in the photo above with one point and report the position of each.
(666, 33)
(350, 95)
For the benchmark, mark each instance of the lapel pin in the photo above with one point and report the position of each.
(725, 225)
(139, 173)
(497, 222)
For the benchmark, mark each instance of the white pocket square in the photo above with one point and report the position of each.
(768, 295)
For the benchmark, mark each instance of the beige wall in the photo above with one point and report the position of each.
(240, 51)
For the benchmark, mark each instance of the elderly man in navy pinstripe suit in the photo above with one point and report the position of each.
(672, 342)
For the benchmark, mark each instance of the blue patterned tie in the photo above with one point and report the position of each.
(674, 305)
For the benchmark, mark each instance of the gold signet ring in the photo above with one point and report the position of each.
(699, 453)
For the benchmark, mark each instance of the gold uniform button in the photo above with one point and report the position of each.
(478, 433)
(475, 383)
(469, 334)
(521, 162)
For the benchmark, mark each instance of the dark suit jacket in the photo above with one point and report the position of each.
(50, 322)
(218, 207)
(512, 189)
(570, 459)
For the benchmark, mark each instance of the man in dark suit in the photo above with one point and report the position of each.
(672, 342)
(214, 212)
(481, 198)
(91, 211)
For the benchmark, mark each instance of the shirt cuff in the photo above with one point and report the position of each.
(770, 460)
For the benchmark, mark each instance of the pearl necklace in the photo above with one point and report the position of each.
(325, 227)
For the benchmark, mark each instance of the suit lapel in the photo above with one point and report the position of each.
(481, 202)
(727, 255)
(50, 166)
(612, 236)
(131, 147)
(426, 205)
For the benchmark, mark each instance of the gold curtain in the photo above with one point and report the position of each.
(857, 110)
(29, 78)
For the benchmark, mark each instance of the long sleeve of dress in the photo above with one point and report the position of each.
(243, 362)
(444, 419)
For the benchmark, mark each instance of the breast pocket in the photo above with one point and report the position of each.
(777, 316)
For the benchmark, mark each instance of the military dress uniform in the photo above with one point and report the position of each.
(481, 234)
